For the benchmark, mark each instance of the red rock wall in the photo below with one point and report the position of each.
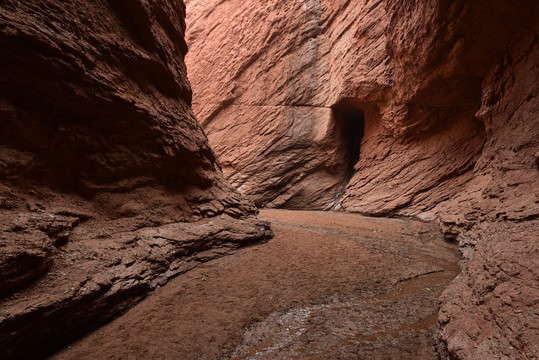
(448, 91)
(265, 97)
(107, 184)
(492, 209)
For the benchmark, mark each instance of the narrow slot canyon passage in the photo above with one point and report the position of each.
(327, 286)
(350, 126)
(192, 179)
(348, 134)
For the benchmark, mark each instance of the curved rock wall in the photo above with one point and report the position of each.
(448, 93)
(107, 184)
(266, 104)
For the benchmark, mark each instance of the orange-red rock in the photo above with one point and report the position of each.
(265, 97)
(443, 97)
(107, 184)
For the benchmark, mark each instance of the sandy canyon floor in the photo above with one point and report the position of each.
(328, 286)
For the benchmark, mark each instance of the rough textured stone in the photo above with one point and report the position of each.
(266, 102)
(107, 184)
(445, 95)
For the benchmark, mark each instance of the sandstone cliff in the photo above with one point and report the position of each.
(107, 184)
(424, 108)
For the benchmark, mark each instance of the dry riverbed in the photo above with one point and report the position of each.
(328, 286)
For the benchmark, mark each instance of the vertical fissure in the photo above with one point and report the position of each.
(349, 130)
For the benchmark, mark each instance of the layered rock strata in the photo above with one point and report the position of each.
(424, 108)
(107, 184)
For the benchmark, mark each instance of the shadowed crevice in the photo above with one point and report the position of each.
(349, 130)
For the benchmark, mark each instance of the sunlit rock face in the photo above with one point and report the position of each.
(423, 108)
(107, 184)
(280, 96)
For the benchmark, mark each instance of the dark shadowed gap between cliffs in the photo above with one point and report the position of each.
(349, 128)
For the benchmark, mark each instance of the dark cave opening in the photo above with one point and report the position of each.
(350, 128)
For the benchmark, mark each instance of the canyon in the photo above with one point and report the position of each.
(108, 187)
(424, 109)
(127, 159)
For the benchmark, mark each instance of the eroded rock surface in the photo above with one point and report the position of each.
(266, 103)
(441, 95)
(107, 184)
